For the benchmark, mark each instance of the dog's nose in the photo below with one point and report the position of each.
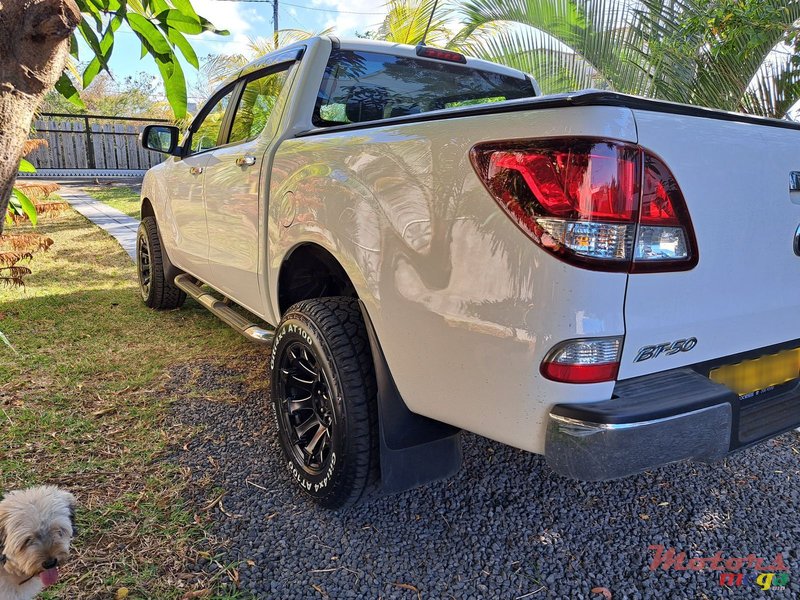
(50, 563)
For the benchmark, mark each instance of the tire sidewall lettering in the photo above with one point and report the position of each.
(313, 484)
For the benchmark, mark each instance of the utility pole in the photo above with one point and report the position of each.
(275, 22)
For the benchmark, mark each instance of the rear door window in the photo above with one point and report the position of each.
(255, 106)
(369, 86)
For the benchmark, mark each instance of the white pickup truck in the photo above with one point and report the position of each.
(610, 281)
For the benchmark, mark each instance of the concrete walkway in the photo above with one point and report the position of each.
(122, 227)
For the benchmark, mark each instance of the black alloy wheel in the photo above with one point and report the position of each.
(308, 411)
(324, 400)
(157, 292)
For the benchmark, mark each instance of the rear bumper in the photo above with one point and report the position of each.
(663, 418)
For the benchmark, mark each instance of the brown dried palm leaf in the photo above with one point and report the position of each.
(9, 259)
(12, 281)
(31, 145)
(15, 271)
(24, 242)
(36, 189)
(50, 208)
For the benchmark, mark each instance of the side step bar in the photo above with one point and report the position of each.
(247, 328)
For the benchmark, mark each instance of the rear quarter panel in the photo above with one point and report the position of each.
(464, 304)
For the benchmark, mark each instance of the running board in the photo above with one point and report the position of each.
(224, 312)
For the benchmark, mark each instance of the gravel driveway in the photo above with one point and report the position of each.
(504, 527)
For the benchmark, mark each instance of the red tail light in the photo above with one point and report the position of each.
(588, 360)
(599, 204)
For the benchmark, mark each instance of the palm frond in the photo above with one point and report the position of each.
(774, 90)
(218, 67)
(406, 20)
(710, 53)
(24, 242)
(693, 51)
(556, 67)
(599, 32)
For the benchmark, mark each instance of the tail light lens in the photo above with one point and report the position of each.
(583, 361)
(599, 204)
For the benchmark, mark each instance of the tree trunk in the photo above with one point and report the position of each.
(34, 44)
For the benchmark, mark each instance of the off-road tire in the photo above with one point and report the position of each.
(326, 335)
(155, 290)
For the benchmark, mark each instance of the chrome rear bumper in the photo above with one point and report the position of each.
(602, 451)
(662, 418)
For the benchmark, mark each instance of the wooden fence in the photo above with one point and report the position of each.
(92, 142)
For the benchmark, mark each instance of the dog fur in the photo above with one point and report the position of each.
(36, 528)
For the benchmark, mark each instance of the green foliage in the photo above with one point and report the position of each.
(20, 205)
(218, 67)
(719, 53)
(130, 96)
(406, 21)
(160, 25)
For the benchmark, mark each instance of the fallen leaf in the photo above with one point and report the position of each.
(122, 593)
(197, 594)
(408, 586)
(602, 590)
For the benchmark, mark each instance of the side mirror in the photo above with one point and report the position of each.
(160, 138)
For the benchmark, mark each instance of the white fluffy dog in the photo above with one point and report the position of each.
(36, 528)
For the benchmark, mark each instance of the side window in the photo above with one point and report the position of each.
(205, 136)
(255, 106)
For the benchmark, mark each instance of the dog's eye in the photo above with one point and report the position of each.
(27, 542)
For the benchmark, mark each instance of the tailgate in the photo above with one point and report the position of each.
(744, 293)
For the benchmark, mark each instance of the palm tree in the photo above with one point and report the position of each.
(406, 20)
(719, 54)
(218, 67)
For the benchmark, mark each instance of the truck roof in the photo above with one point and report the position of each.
(366, 45)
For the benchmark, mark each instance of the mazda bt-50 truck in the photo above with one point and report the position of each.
(610, 281)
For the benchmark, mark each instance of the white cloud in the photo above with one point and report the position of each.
(348, 22)
(236, 17)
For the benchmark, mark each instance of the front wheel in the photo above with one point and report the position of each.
(156, 291)
(324, 398)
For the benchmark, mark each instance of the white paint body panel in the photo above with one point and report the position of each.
(232, 214)
(464, 304)
(184, 224)
(744, 293)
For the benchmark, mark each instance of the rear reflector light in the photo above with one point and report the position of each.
(599, 204)
(583, 361)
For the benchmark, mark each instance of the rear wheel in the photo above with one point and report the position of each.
(156, 291)
(323, 394)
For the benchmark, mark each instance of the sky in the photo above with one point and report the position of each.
(247, 20)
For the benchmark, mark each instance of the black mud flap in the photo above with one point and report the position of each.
(415, 450)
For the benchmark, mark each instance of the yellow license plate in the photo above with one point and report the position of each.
(760, 373)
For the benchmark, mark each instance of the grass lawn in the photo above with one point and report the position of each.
(120, 197)
(84, 405)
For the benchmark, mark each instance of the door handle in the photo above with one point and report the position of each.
(246, 161)
(196, 170)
